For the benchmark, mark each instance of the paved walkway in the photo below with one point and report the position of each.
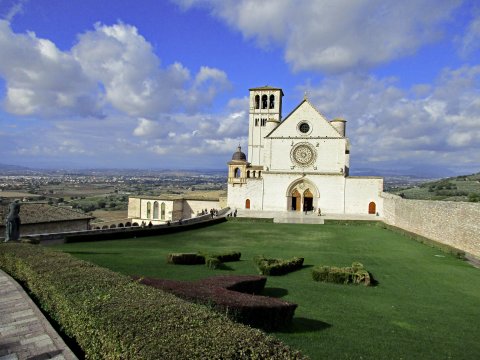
(24, 332)
(299, 217)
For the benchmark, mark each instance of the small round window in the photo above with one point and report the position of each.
(304, 128)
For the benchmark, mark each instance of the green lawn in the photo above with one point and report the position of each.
(426, 305)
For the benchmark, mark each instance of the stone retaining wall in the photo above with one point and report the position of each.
(456, 224)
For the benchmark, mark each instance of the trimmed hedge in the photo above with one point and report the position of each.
(231, 295)
(185, 259)
(112, 317)
(212, 261)
(225, 257)
(277, 266)
(355, 274)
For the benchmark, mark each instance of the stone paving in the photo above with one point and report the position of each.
(25, 333)
(299, 217)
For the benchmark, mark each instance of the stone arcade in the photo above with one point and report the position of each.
(299, 163)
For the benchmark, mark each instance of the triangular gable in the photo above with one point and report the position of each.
(320, 126)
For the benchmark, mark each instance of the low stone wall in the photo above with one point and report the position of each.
(128, 232)
(456, 224)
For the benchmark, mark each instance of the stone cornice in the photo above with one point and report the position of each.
(297, 173)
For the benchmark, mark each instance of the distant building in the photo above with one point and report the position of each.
(299, 163)
(44, 219)
(161, 209)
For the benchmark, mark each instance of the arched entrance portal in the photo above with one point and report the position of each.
(247, 204)
(372, 208)
(307, 200)
(296, 200)
(302, 194)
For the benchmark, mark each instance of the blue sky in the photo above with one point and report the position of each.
(164, 84)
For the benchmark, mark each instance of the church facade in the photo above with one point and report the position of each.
(300, 163)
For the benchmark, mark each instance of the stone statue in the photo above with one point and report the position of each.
(12, 224)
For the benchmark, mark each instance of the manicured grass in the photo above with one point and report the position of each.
(426, 304)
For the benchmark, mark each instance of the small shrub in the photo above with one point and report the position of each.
(277, 266)
(185, 259)
(355, 274)
(212, 263)
(228, 256)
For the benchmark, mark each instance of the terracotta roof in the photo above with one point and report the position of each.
(34, 213)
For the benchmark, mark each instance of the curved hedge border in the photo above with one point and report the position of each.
(112, 317)
(234, 296)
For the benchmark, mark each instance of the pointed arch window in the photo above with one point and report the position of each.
(236, 173)
(264, 101)
(155, 210)
(149, 210)
(162, 211)
(272, 102)
(257, 101)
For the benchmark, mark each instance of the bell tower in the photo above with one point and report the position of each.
(265, 115)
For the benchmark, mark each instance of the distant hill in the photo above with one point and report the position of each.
(458, 188)
(12, 167)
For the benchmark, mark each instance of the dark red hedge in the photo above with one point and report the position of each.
(233, 295)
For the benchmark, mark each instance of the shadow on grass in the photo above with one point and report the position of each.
(307, 266)
(92, 253)
(303, 325)
(225, 267)
(274, 292)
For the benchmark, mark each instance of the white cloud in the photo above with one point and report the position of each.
(470, 41)
(14, 10)
(335, 36)
(442, 127)
(41, 79)
(151, 129)
(109, 67)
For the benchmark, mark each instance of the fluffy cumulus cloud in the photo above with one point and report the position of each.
(437, 125)
(335, 36)
(41, 79)
(146, 108)
(110, 67)
(204, 135)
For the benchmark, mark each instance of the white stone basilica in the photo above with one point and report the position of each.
(299, 163)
